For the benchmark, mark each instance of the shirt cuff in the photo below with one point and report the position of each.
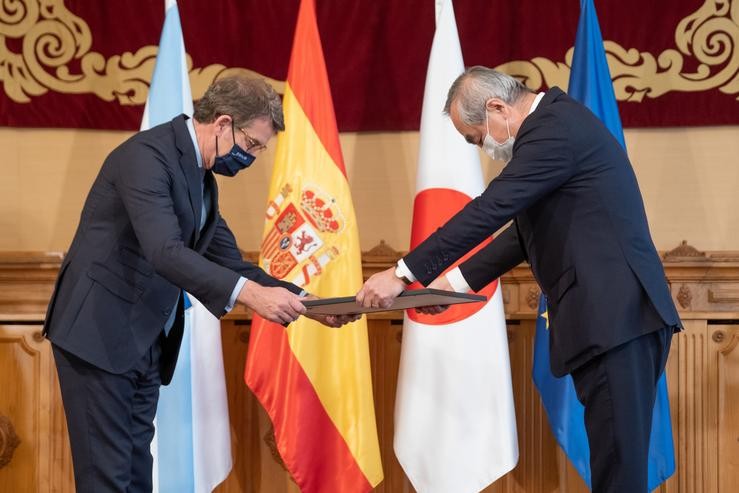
(457, 281)
(235, 294)
(403, 269)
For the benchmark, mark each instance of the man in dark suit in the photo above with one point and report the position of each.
(579, 220)
(150, 230)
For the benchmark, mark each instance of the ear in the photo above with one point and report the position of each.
(222, 124)
(494, 105)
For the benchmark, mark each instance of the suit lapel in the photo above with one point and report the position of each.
(189, 165)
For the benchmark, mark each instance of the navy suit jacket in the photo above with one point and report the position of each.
(580, 222)
(138, 244)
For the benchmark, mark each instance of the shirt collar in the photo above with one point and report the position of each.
(191, 129)
(537, 99)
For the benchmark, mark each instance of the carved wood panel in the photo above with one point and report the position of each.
(702, 372)
(541, 467)
(30, 399)
(723, 379)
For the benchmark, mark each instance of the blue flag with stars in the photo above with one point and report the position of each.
(590, 83)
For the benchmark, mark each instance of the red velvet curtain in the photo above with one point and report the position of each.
(377, 51)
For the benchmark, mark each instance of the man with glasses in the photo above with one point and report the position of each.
(150, 230)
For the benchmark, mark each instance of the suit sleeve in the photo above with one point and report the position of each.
(495, 259)
(144, 183)
(224, 251)
(542, 162)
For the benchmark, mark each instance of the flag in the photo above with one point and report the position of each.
(192, 443)
(314, 381)
(455, 427)
(590, 83)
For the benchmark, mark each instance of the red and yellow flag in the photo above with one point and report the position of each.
(314, 381)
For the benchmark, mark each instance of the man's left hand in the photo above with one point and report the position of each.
(380, 290)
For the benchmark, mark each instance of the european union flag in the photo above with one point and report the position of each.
(590, 83)
(566, 414)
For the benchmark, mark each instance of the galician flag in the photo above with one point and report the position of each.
(455, 424)
(192, 445)
(314, 381)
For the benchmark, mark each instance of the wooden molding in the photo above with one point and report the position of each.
(701, 372)
(682, 252)
(700, 281)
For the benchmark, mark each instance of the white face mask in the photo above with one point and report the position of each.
(501, 152)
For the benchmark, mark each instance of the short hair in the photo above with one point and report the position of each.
(476, 86)
(243, 99)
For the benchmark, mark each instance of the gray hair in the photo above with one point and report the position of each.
(243, 99)
(476, 86)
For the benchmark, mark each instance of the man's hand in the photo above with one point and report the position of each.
(274, 304)
(380, 290)
(442, 283)
(334, 321)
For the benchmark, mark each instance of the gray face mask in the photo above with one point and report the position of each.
(501, 152)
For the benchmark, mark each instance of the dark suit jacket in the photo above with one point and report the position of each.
(579, 221)
(137, 245)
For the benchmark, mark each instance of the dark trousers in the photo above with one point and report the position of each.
(110, 421)
(618, 389)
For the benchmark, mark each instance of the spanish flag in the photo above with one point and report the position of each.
(314, 381)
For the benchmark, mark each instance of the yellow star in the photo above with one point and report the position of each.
(545, 316)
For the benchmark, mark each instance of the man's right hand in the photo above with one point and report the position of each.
(274, 304)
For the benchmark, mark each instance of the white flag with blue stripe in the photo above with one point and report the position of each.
(192, 444)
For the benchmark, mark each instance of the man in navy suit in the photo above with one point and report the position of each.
(150, 229)
(579, 220)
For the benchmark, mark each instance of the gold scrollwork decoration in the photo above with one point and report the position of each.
(56, 57)
(709, 37)
(54, 41)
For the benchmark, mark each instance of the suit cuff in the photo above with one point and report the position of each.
(235, 293)
(457, 281)
(404, 270)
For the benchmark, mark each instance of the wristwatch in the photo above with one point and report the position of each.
(399, 274)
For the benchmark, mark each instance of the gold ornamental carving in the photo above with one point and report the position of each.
(709, 36)
(8, 441)
(54, 40)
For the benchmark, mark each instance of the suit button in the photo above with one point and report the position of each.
(167, 311)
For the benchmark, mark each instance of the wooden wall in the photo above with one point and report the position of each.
(688, 178)
(703, 377)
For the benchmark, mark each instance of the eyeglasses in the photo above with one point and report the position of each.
(252, 145)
